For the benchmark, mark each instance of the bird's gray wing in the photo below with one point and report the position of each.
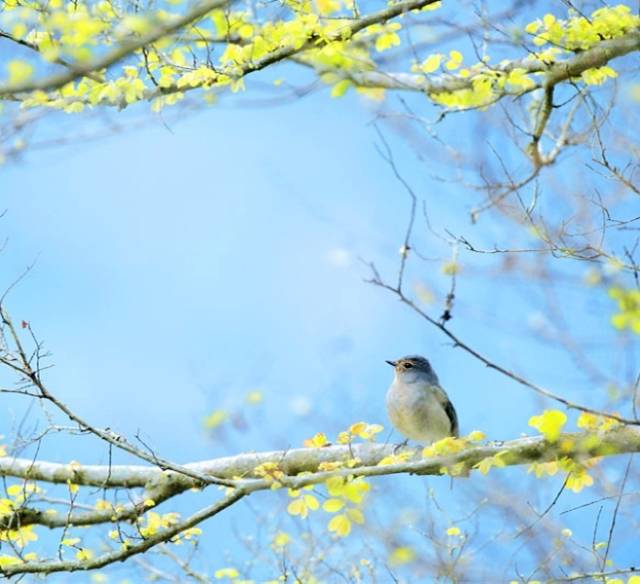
(453, 417)
(448, 408)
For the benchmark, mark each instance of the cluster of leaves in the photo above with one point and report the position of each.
(361, 430)
(19, 537)
(345, 495)
(550, 424)
(580, 33)
(341, 497)
(345, 498)
(444, 447)
(218, 49)
(487, 83)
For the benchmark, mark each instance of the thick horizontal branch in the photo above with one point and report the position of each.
(130, 476)
(576, 446)
(292, 462)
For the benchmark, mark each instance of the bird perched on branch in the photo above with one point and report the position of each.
(417, 406)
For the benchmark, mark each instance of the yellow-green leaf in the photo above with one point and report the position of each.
(549, 423)
(19, 71)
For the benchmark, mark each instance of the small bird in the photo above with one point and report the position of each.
(417, 406)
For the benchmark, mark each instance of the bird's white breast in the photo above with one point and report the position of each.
(416, 412)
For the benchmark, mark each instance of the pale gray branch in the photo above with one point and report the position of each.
(240, 468)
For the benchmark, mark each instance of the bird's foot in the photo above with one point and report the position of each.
(400, 446)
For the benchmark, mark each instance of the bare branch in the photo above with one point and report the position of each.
(125, 552)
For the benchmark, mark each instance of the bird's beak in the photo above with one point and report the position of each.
(392, 363)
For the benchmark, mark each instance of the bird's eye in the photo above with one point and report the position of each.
(408, 365)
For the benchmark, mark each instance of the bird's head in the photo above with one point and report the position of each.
(413, 368)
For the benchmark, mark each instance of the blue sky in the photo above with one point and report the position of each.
(176, 271)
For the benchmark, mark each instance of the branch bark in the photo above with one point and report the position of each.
(520, 451)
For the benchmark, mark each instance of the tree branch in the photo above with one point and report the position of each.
(597, 56)
(314, 41)
(22, 365)
(377, 281)
(126, 551)
(77, 70)
(307, 460)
